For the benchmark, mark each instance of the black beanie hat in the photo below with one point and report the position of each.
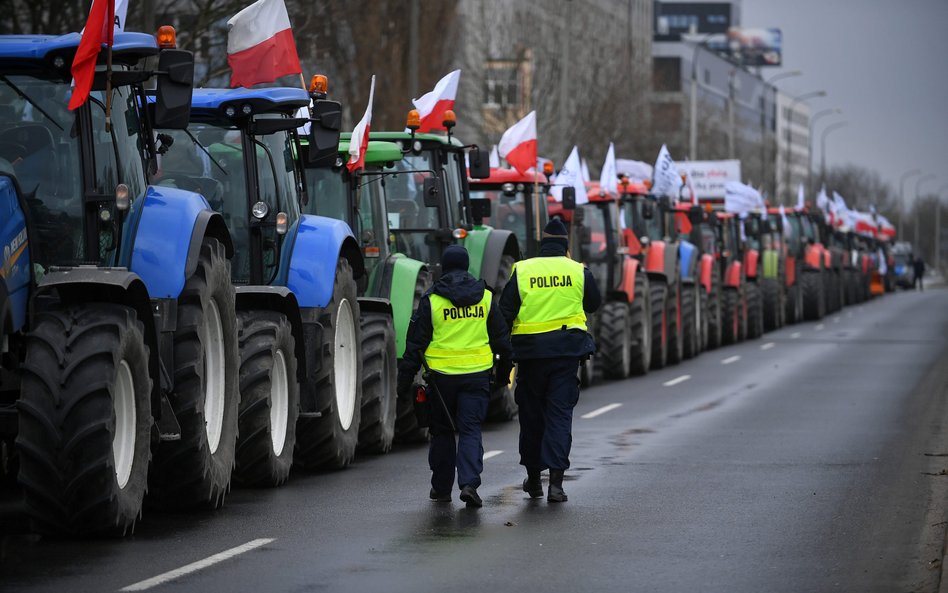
(555, 233)
(455, 258)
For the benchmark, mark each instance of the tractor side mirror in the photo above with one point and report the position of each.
(433, 190)
(480, 209)
(648, 210)
(479, 164)
(569, 198)
(173, 93)
(324, 133)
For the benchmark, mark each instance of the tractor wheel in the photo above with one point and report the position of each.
(813, 302)
(658, 300)
(640, 322)
(691, 319)
(329, 441)
(406, 423)
(676, 322)
(85, 420)
(715, 314)
(755, 311)
(377, 429)
(502, 406)
(614, 340)
(703, 306)
(587, 372)
(269, 399)
(730, 316)
(770, 291)
(195, 471)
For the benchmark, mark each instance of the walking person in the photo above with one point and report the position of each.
(457, 333)
(918, 267)
(545, 303)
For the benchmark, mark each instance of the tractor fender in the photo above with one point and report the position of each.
(688, 254)
(314, 249)
(751, 261)
(732, 277)
(88, 284)
(827, 259)
(498, 244)
(281, 300)
(16, 269)
(630, 267)
(813, 258)
(707, 271)
(655, 259)
(167, 240)
(403, 273)
(791, 274)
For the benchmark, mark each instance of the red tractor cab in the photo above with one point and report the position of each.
(518, 204)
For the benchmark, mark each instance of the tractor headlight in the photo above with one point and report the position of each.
(260, 210)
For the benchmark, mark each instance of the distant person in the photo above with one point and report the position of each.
(457, 333)
(918, 266)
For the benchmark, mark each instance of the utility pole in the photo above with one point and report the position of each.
(915, 205)
(902, 181)
(414, 14)
(730, 113)
(829, 129)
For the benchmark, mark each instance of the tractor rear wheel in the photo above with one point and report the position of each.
(715, 313)
(813, 302)
(770, 290)
(406, 422)
(691, 319)
(658, 300)
(640, 322)
(676, 321)
(615, 339)
(502, 406)
(755, 311)
(85, 420)
(730, 316)
(377, 429)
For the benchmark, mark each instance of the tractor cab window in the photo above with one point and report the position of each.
(372, 231)
(408, 218)
(510, 209)
(279, 189)
(453, 169)
(590, 234)
(328, 191)
(752, 232)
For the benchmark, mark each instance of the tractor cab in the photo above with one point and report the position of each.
(517, 204)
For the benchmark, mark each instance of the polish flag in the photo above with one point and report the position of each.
(260, 46)
(431, 106)
(359, 142)
(98, 31)
(519, 144)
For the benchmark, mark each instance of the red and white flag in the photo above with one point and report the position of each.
(260, 46)
(359, 142)
(519, 144)
(432, 105)
(98, 31)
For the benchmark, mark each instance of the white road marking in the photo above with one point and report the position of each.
(676, 380)
(730, 360)
(601, 411)
(199, 565)
(849, 313)
(819, 326)
(836, 319)
(490, 454)
(795, 335)
(767, 346)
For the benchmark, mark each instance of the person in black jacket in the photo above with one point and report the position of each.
(545, 303)
(457, 332)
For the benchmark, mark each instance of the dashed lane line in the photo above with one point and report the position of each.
(794, 335)
(600, 411)
(490, 454)
(731, 359)
(837, 319)
(767, 346)
(676, 380)
(819, 326)
(199, 565)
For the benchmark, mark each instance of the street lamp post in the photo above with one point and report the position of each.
(730, 113)
(813, 119)
(941, 190)
(764, 152)
(918, 186)
(793, 105)
(902, 180)
(829, 129)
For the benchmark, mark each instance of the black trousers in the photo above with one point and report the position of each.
(547, 392)
(466, 398)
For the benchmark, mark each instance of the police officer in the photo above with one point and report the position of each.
(545, 303)
(458, 333)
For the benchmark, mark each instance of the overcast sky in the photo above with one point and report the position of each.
(885, 63)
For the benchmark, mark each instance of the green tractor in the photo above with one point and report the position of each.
(429, 207)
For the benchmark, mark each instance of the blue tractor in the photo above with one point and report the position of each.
(119, 364)
(296, 275)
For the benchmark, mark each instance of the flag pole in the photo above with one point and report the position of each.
(303, 83)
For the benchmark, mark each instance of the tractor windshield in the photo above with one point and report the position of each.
(590, 234)
(642, 216)
(409, 219)
(509, 210)
(328, 190)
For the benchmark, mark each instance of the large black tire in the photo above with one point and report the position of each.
(755, 311)
(640, 322)
(703, 307)
(658, 300)
(731, 312)
(85, 390)
(691, 320)
(770, 291)
(406, 423)
(676, 321)
(614, 340)
(377, 429)
(587, 372)
(811, 283)
(195, 471)
(329, 441)
(269, 399)
(715, 313)
(502, 406)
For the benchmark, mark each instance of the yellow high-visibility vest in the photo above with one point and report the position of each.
(459, 339)
(551, 295)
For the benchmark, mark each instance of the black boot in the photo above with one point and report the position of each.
(532, 485)
(556, 493)
(439, 496)
(470, 497)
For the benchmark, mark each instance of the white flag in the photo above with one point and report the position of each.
(801, 199)
(822, 200)
(570, 175)
(609, 178)
(585, 167)
(494, 158)
(121, 10)
(636, 171)
(787, 229)
(740, 198)
(667, 180)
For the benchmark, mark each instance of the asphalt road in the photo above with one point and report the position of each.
(808, 460)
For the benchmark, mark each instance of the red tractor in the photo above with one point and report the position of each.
(731, 265)
(788, 227)
(518, 204)
(816, 266)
